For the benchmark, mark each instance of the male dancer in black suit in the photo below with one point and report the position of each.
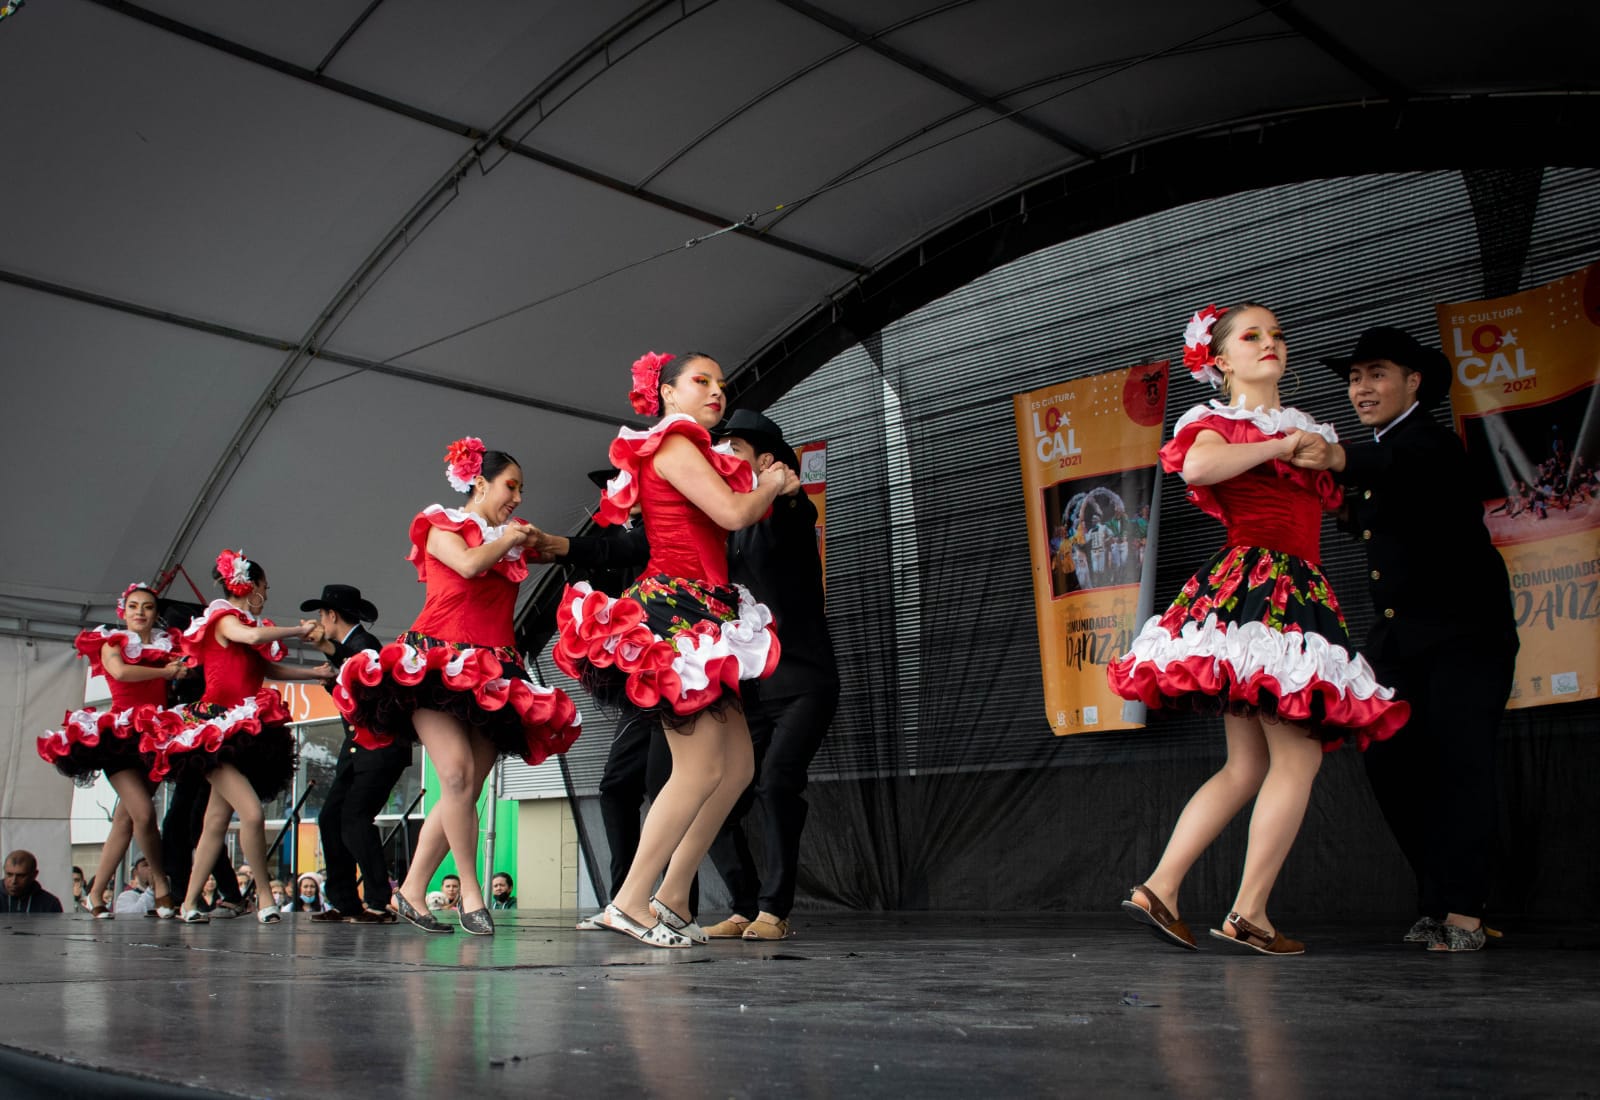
(1445, 637)
(362, 779)
(789, 712)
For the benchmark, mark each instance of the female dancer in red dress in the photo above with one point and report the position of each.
(1256, 634)
(238, 732)
(679, 641)
(137, 661)
(455, 681)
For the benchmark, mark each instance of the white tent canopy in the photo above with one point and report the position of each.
(261, 262)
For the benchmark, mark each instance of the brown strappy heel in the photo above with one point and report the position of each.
(1159, 919)
(1248, 937)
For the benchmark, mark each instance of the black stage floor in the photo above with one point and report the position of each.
(897, 1005)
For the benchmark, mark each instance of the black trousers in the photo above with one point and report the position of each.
(180, 831)
(1435, 779)
(350, 838)
(623, 787)
(786, 734)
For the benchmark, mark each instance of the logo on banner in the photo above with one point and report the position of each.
(1054, 438)
(1486, 353)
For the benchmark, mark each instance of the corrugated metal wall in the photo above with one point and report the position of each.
(928, 576)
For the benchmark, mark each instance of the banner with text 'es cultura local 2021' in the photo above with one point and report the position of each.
(1088, 452)
(1525, 401)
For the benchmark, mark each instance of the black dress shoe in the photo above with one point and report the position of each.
(327, 916)
(478, 922)
(423, 920)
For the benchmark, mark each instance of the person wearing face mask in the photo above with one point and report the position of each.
(1256, 634)
(679, 641)
(455, 681)
(237, 734)
(308, 896)
(138, 660)
(1445, 634)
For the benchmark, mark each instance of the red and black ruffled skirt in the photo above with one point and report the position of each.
(1259, 631)
(253, 735)
(671, 646)
(92, 741)
(484, 688)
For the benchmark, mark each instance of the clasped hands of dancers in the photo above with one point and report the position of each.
(1257, 636)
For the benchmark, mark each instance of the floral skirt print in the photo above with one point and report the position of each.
(1259, 631)
(671, 646)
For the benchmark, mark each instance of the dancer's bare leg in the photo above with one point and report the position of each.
(738, 769)
(116, 846)
(135, 795)
(237, 792)
(698, 760)
(1217, 802)
(1275, 822)
(451, 751)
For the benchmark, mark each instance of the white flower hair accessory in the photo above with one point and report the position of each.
(234, 568)
(1197, 353)
(463, 461)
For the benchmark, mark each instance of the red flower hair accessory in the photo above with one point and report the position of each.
(235, 570)
(646, 392)
(136, 586)
(1197, 353)
(463, 461)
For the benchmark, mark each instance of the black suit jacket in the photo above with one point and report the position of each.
(1432, 571)
(777, 559)
(613, 560)
(396, 755)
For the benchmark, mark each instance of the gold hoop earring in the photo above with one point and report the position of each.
(1296, 375)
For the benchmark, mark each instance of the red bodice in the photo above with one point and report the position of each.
(157, 653)
(1275, 506)
(138, 693)
(479, 610)
(1261, 509)
(234, 671)
(684, 541)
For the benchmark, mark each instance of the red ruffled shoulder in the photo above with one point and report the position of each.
(192, 642)
(90, 643)
(632, 449)
(473, 530)
(1237, 425)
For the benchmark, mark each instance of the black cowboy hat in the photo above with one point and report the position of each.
(1403, 350)
(346, 600)
(761, 433)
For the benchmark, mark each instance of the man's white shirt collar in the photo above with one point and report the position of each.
(1377, 433)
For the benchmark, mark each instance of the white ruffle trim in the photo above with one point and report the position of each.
(189, 738)
(130, 643)
(87, 721)
(461, 515)
(196, 630)
(1250, 650)
(746, 639)
(1269, 421)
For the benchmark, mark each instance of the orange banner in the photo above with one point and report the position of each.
(1088, 452)
(306, 701)
(1527, 408)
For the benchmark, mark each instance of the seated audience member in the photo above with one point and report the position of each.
(23, 894)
